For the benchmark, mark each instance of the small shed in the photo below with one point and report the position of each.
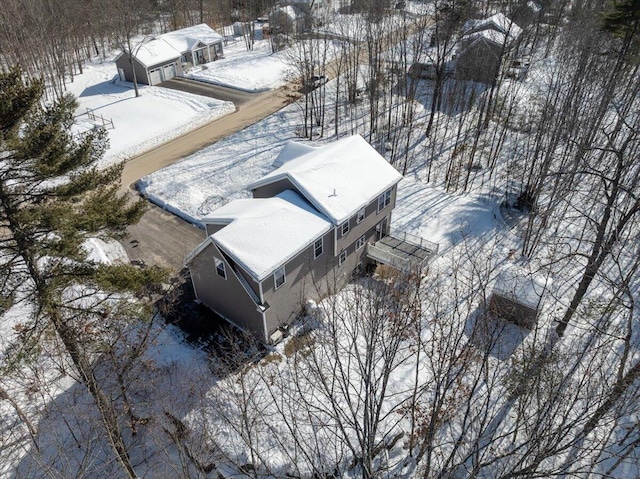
(239, 28)
(516, 297)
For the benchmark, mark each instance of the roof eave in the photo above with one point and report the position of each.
(261, 277)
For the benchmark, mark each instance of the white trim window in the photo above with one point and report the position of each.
(342, 258)
(360, 216)
(279, 277)
(384, 200)
(317, 248)
(345, 228)
(360, 242)
(220, 269)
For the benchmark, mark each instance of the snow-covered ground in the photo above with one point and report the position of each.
(250, 70)
(139, 124)
(259, 69)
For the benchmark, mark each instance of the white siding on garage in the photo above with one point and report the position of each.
(155, 76)
(169, 71)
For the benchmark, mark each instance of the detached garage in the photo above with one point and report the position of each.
(154, 62)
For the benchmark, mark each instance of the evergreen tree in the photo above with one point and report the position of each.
(52, 198)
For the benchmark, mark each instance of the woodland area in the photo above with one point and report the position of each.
(398, 376)
(52, 38)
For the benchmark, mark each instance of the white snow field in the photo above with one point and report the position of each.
(139, 124)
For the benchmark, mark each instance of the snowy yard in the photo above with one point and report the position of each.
(250, 70)
(142, 123)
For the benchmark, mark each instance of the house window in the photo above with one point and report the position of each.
(342, 258)
(345, 228)
(384, 199)
(279, 277)
(360, 216)
(317, 248)
(220, 268)
(360, 242)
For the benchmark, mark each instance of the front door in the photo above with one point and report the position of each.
(381, 229)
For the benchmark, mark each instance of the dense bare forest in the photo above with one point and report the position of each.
(400, 376)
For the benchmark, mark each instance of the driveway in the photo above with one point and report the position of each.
(238, 97)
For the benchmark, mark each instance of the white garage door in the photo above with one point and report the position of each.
(169, 71)
(155, 76)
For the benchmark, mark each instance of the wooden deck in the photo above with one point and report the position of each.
(400, 252)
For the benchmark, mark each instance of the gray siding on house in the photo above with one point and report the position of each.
(372, 218)
(305, 278)
(227, 297)
(211, 229)
(272, 189)
(142, 73)
(479, 62)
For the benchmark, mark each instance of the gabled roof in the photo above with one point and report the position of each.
(489, 36)
(262, 234)
(498, 22)
(339, 178)
(291, 150)
(155, 52)
(188, 39)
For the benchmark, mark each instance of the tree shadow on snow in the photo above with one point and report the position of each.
(164, 387)
(492, 335)
(458, 96)
(104, 88)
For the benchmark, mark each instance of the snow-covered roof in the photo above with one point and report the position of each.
(520, 286)
(155, 52)
(490, 36)
(262, 234)
(291, 150)
(498, 22)
(339, 178)
(187, 39)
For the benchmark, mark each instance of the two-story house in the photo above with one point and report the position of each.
(301, 236)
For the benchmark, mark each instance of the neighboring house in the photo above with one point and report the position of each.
(165, 56)
(287, 20)
(313, 221)
(499, 23)
(198, 44)
(483, 47)
(317, 11)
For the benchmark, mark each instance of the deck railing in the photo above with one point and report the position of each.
(382, 256)
(415, 240)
